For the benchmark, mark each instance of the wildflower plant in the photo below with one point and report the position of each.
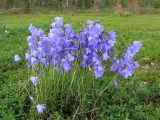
(64, 66)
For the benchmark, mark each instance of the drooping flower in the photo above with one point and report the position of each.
(112, 34)
(34, 61)
(65, 64)
(17, 58)
(34, 80)
(105, 56)
(98, 70)
(59, 20)
(70, 57)
(115, 83)
(41, 71)
(40, 108)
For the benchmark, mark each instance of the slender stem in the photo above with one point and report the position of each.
(80, 92)
(54, 80)
(45, 88)
(73, 78)
(93, 85)
(63, 74)
(107, 86)
(100, 94)
(76, 113)
(88, 111)
(24, 87)
(36, 93)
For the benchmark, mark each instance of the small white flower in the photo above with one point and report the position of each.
(152, 63)
(31, 98)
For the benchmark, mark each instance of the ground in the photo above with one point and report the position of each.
(137, 97)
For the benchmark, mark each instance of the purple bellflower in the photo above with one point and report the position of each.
(96, 46)
(63, 45)
(34, 80)
(17, 58)
(40, 108)
(126, 65)
(115, 83)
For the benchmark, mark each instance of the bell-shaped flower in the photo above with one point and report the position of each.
(65, 64)
(115, 83)
(17, 58)
(34, 80)
(40, 108)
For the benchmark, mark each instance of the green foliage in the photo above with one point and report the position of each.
(12, 100)
(136, 98)
(63, 4)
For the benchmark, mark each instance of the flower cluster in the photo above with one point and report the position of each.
(61, 44)
(126, 65)
(96, 46)
(56, 49)
(36, 42)
(59, 47)
(92, 46)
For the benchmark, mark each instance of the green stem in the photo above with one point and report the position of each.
(36, 93)
(100, 94)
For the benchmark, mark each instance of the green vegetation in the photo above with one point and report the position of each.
(136, 98)
(78, 4)
(30, 6)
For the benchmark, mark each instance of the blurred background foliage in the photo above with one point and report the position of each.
(28, 6)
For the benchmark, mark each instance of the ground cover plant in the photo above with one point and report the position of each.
(135, 98)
